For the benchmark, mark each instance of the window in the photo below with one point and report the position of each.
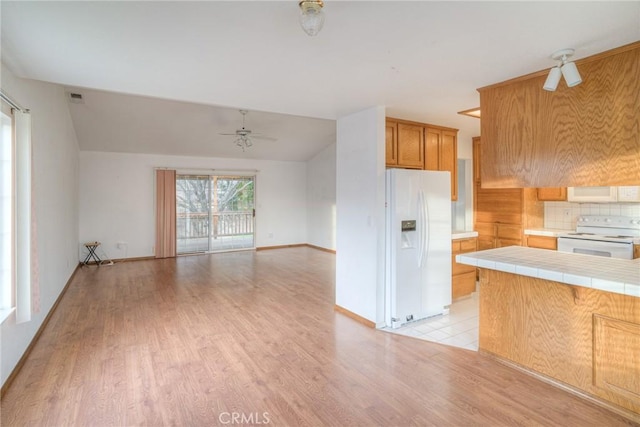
(6, 215)
(15, 214)
(214, 213)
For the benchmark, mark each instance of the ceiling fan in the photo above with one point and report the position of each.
(244, 136)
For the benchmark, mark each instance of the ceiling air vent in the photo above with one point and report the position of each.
(76, 98)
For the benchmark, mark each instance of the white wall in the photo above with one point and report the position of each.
(55, 165)
(321, 199)
(360, 198)
(465, 144)
(117, 199)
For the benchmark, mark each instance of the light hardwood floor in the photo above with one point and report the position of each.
(194, 340)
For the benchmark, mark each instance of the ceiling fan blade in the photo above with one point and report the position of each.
(228, 134)
(265, 138)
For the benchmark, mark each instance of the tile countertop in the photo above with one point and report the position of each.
(548, 232)
(607, 274)
(459, 234)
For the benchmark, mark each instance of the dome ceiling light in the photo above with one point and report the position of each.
(311, 16)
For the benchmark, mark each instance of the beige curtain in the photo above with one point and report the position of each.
(165, 213)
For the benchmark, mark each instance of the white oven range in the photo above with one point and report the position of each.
(607, 236)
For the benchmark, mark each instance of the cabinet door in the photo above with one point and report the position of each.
(391, 143)
(486, 235)
(441, 154)
(468, 245)
(499, 205)
(552, 194)
(410, 146)
(476, 159)
(463, 284)
(508, 235)
(542, 242)
(507, 231)
(448, 159)
(432, 138)
(485, 242)
(501, 243)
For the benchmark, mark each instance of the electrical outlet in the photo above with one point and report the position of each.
(121, 245)
(566, 213)
(271, 235)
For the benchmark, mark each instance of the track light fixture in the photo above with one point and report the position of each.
(565, 68)
(311, 16)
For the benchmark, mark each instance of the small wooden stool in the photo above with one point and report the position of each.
(91, 247)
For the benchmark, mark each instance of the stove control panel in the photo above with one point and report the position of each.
(609, 221)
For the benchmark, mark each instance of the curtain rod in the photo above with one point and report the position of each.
(11, 102)
(206, 169)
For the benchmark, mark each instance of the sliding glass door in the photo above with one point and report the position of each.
(214, 213)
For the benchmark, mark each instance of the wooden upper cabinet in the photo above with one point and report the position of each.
(441, 153)
(449, 159)
(551, 194)
(415, 145)
(432, 141)
(410, 146)
(586, 135)
(391, 143)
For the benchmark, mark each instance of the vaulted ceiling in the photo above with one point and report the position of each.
(167, 77)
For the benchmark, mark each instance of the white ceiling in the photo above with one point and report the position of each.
(422, 60)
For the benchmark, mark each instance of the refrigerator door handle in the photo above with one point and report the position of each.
(424, 224)
(426, 234)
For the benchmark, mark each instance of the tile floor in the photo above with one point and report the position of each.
(459, 328)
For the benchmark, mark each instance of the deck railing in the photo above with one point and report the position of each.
(196, 225)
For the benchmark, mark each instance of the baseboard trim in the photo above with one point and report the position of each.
(296, 245)
(266, 248)
(320, 248)
(41, 329)
(564, 386)
(354, 316)
(116, 260)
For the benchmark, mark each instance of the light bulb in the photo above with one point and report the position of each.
(571, 74)
(553, 79)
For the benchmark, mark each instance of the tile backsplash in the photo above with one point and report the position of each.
(563, 215)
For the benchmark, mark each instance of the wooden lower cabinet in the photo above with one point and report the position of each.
(463, 280)
(636, 251)
(584, 338)
(496, 235)
(542, 242)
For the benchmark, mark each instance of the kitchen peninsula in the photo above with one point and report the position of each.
(573, 319)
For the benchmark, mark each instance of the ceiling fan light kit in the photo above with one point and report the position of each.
(243, 142)
(311, 16)
(566, 69)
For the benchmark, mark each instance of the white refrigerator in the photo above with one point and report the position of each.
(418, 245)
